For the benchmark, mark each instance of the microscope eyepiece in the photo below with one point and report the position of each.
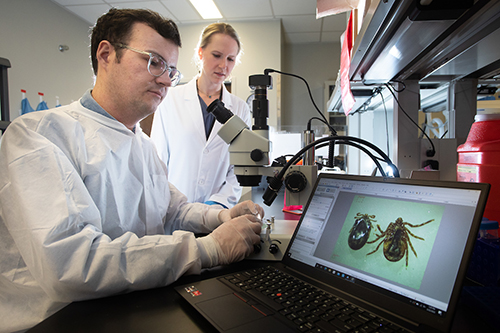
(219, 111)
(272, 190)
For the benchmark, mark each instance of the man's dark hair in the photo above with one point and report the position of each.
(115, 27)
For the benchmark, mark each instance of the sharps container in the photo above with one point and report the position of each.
(479, 159)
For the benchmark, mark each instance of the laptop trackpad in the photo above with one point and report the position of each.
(230, 312)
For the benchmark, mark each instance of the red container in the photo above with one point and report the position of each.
(479, 159)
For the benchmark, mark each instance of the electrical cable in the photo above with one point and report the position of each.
(324, 120)
(433, 152)
(374, 158)
(276, 182)
(270, 70)
(312, 118)
(331, 149)
(348, 143)
(433, 128)
(400, 82)
(386, 121)
(341, 138)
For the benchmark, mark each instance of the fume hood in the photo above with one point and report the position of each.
(433, 42)
(436, 55)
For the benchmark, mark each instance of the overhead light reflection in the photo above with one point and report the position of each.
(389, 171)
(207, 9)
(395, 52)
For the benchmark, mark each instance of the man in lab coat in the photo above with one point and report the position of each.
(86, 209)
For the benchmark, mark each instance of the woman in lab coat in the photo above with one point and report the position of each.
(186, 135)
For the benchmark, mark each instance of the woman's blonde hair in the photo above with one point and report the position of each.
(208, 32)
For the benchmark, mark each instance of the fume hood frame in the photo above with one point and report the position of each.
(395, 44)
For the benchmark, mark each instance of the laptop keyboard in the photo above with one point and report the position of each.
(309, 308)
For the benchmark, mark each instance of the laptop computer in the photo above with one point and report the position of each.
(392, 249)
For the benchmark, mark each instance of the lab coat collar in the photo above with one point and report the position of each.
(191, 93)
(77, 107)
(191, 96)
(90, 103)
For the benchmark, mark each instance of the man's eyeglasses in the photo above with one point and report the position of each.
(157, 65)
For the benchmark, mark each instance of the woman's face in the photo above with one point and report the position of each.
(218, 57)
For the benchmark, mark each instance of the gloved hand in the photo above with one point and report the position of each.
(236, 238)
(245, 207)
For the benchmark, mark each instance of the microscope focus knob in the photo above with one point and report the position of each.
(295, 181)
(257, 155)
(273, 248)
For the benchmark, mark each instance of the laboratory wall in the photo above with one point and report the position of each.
(316, 63)
(32, 30)
(30, 34)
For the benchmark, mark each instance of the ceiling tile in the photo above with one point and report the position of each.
(79, 2)
(303, 23)
(331, 36)
(116, 1)
(293, 7)
(153, 5)
(232, 9)
(335, 22)
(298, 16)
(182, 10)
(89, 13)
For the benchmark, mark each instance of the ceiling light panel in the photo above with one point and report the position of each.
(207, 9)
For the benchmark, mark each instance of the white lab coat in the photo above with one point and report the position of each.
(198, 167)
(86, 211)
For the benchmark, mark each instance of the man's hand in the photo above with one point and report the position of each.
(243, 208)
(236, 238)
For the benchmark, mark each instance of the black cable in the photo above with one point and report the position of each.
(348, 143)
(363, 149)
(331, 149)
(386, 122)
(276, 182)
(270, 70)
(342, 138)
(400, 82)
(406, 114)
(324, 120)
(312, 118)
(331, 153)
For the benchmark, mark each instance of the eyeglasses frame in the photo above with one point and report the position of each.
(174, 78)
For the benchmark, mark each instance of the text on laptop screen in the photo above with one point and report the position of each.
(406, 239)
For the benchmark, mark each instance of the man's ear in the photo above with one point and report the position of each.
(105, 53)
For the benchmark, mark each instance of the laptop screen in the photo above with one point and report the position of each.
(402, 239)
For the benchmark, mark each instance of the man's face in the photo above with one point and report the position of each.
(135, 92)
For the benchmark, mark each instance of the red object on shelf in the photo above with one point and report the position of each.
(479, 160)
(345, 65)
